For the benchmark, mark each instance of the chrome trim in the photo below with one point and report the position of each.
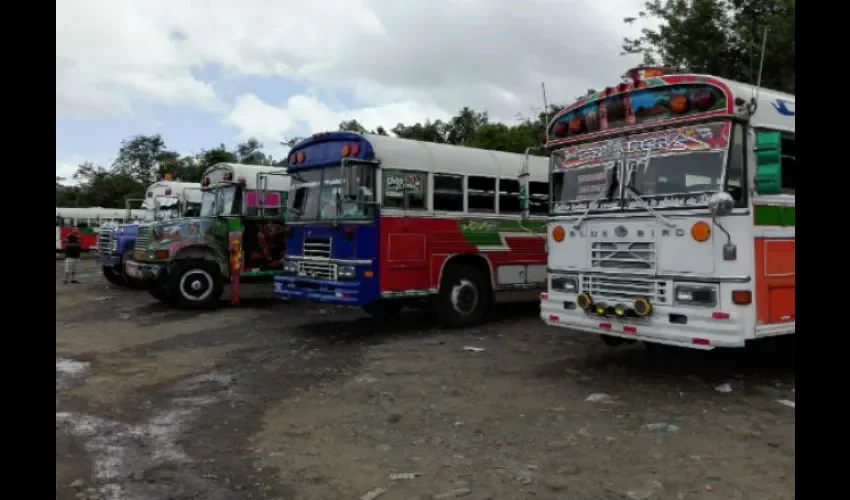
(695, 278)
(668, 212)
(344, 262)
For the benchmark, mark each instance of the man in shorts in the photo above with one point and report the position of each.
(73, 247)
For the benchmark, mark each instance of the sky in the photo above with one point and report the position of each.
(207, 72)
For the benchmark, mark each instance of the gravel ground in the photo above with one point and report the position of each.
(287, 400)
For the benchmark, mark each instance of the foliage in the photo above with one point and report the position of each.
(720, 37)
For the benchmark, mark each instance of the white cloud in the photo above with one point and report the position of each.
(406, 60)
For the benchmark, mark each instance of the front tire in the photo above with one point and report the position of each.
(113, 276)
(465, 297)
(195, 284)
(383, 309)
(157, 291)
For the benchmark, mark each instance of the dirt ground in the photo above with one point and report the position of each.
(286, 400)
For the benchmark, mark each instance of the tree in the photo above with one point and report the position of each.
(250, 153)
(720, 37)
(139, 157)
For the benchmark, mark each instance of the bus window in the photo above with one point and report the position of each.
(481, 193)
(538, 198)
(405, 189)
(448, 193)
(509, 196)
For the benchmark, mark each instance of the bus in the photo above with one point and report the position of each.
(165, 199)
(672, 217)
(88, 220)
(185, 262)
(380, 223)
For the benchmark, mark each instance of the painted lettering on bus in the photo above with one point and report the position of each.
(783, 107)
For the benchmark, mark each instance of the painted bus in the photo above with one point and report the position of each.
(186, 262)
(88, 220)
(165, 199)
(380, 223)
(672, 217)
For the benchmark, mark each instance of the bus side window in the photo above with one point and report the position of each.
(735, 168)
(509, 196)
(405, 189)
(789, 163)
(538, 198)
(481, 194)
(448, 193)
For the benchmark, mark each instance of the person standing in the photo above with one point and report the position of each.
(73, 247)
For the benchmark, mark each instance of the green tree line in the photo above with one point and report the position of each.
(717, 37)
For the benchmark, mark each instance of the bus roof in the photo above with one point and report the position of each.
(326, 149)
(95, 212)
(216, 174)
(161, 189)
(652, 103)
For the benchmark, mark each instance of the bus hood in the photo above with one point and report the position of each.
(164, 233)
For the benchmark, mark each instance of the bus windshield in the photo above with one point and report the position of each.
(672, 168)
(316, 194)
(222, 200)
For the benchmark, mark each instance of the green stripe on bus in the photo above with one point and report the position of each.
(771, 215)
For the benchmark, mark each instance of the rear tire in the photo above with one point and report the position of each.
(195, 284)
(113, 276)
(134, 283)
(465, 297)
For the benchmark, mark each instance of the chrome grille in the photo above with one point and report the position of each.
(317, 270)
(317, 248)
(104, 240)
(622, 255)
(143, 236)
(614, 289)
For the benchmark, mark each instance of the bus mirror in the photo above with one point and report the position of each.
(768, 162)
(721, 204)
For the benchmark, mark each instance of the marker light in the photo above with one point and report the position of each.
(228, 176)
(620, 310)
(679, 104)
(355, 149)
(642, 307)
(560, 129)
(600, 309)
(742, 297)
(167, 191)
(700, 231)
(583, 300)
(558, 234)
(346, 150)
(300, 157)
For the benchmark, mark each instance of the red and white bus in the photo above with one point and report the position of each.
(88, 220)
(381, 222)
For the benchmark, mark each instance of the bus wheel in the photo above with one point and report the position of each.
(131, 282)
(464, 297)
(383, 309)
(113, 276)
(195, 284)
(157, 290)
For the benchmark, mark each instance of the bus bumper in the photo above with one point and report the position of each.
(142, 270)
(349, 293)
(702, 331)
(109, 260)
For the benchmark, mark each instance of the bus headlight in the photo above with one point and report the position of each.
(696, 295)
(564, 284)
(290, 267)
(346, 272)
(113, 247)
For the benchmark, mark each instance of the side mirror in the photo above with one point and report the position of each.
(721, 204)
(768, 162)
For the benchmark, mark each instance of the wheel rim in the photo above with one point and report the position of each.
(464, 297)
(196, 285)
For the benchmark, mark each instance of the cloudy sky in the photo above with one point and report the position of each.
(204, 72)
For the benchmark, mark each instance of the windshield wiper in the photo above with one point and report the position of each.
(633, 194)
(608, 192)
